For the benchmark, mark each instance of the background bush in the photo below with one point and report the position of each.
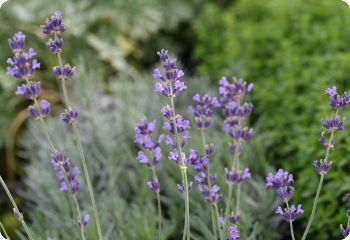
(291, 50)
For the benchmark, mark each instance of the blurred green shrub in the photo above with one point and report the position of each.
(292, 51)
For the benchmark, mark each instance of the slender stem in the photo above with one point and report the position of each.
(209, 184)
(82, 228)
(159, 217)
(183, 169)
(217, 220)
(290, 223)
(82, 155)
(238, 196)
(313, 208)
(230, 187)
(71, 196)
(4, 231)
(88, 181)
(155, 178)
(330, 145)
(26, 229)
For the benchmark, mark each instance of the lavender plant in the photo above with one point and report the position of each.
(22, 67)
(170, 86)
(282, 180)
(54, 27)
(235, 112)
(144, 137)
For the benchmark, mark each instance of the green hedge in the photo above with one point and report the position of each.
(292, 51)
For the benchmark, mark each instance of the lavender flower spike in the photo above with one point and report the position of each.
(203, 110)
(290, 214)
(59, 161)
(170, 84)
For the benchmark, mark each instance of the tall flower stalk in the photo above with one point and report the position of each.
(231, 96)
(54, 27)
(330, 125)
(206, 181)
(4, 231)
(22, 66)
(144, 137)
(281, 182)
(170, 86)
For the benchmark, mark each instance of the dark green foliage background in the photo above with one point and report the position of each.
(290, 49)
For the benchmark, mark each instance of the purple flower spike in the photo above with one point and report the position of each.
(18, 215)
(22, 66)
(56, 45)
(17, 42)
(45, 108)
(221, 221)
(280, 180)
(322, 167)
(69, 116)
(233, 233)
(59, 161)
(145, 138)
(335, 100)
(345, 231)
(203, 110)
(235, 177)
(170, 84)
(54, 25)
(33, 112)
(333, 123)
(30, 90)
(153, 185)
(234, 219)
(181, 188)
(65, 74)
(291, 214)
(86, 220)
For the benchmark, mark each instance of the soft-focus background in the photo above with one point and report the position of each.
(290, 50)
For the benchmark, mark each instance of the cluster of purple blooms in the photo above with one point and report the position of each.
(231, 95)
(346, 231)
(145, 138)
(22, 66)
(55, 28)
(281, 182)
(59, 162)
(170, 85)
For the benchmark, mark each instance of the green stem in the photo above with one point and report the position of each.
(4, 231)
(26, 229)
(155, 178)
(209, 184)
(82, 228)
(82, 155)
(159, 217)
(319, 184)
(183, 168)
(218, 224)
(313, 208)
(88, 181)
(290, 223)
(230, 187)
(71, 196)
